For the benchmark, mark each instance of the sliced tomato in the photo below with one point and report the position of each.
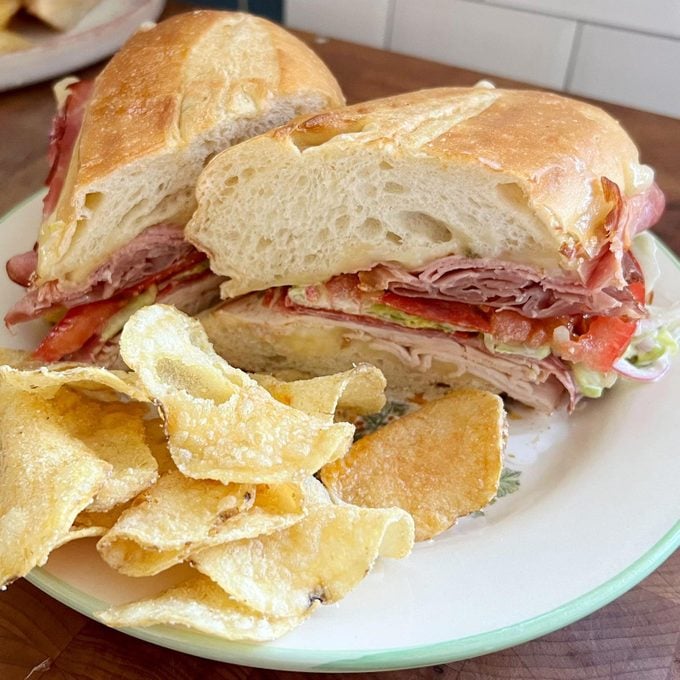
(514, 329)
(637, 290)
(81, 323)
(601, 345)
(76, 328)
(601, 340)
(511, 328)
(443, 311)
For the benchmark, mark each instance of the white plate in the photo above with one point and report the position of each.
(597, 509)
(99, 34)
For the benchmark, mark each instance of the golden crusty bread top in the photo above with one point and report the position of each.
(182, 75)
(178, 83)
(558, 148)
(514, 175)
(176, 80)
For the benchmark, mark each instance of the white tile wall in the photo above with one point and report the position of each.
(661, 17)
(359, 21)
(496, 40)
(624, 51)
(628, 68)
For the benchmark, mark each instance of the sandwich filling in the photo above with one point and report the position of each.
(156, 266)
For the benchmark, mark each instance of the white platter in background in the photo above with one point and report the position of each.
(98, 35)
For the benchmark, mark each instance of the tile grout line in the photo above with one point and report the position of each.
(582, 20)
(389, 24)
(573, 55)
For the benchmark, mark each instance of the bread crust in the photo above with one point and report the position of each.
(174, 82)
(140, 99)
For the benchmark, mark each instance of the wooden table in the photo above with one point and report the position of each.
(635, 637)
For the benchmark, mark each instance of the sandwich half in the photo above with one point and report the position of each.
(453, 236)
(126, 150)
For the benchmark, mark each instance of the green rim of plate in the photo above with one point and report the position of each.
(357, 660)
(319, 660)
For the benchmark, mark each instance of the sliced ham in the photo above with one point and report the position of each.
(65, 129)
(494, 283)
(504, 285)
(21, 268)
(634, 213)
(155, 249)
(545, 385)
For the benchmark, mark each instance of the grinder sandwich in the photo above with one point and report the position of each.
(451, 236)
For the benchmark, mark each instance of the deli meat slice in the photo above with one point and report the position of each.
(21, 268)
(501, 285)
(546, 384)
(65, 130)
(154, 250)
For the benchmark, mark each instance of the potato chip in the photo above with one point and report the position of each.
(276, 507)
(158, 444)
(18, 358)
(438, 463)
(314, 493)
(360, 390)
(170, 520)
(99, 522)
(114, 432)
(47, 476)
(201, 605)
(221, 424)
(155, 440)
(47, 381)
(75, 533)
(8, 8)
(10, 41)
(319, 559)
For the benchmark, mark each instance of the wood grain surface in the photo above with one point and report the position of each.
(635, 637)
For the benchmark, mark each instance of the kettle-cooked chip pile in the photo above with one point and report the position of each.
(187, 459)
(180, 458)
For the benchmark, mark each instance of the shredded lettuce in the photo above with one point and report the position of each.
(504, 348)
(592, 383)
(388, 313)
(115, 323)
(657, 336)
